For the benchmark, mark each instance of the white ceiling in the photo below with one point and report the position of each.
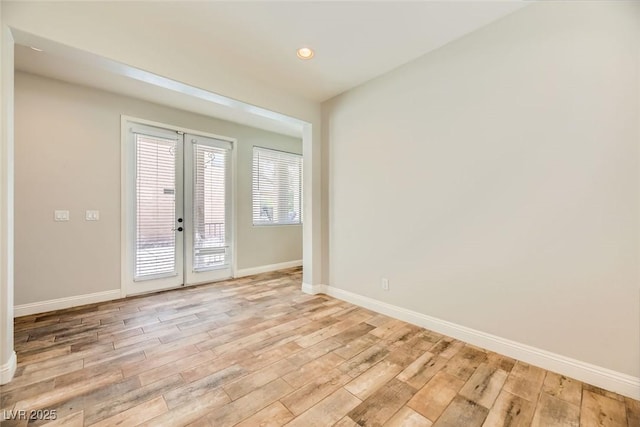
(354, 42)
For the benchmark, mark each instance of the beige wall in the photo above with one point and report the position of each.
(495, 182)
(68, 157)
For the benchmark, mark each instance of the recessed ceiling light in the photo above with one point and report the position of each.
(36, 49)
(305, 53)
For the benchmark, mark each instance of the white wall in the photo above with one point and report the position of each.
(67, 140)
(495, 182)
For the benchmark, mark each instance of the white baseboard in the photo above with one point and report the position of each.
(8, 369)
(60, 303)
(607, 379)
(267, 268)
(314, 289)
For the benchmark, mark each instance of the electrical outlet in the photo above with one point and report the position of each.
(61, 215)
(92, 215)
(385, 283)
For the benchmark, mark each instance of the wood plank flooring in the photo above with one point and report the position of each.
(257, 351)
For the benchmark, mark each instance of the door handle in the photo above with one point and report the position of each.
(177, 229)
(179, 219)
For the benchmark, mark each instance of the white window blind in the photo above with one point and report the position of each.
(155, 206)
(277, 187)
(209, 199)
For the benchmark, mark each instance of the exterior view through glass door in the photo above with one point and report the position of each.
(179, 202)
(208, 231)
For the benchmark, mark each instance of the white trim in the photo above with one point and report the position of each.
(157, 132)
(126, 168)
(267, 268)
(224, 144)
(233, 206)
(67, 302)
(145, 122)
(7, 189)
(8, 369)
(313, 289)
(608, 379)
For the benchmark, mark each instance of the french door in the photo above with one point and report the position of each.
(178, 208)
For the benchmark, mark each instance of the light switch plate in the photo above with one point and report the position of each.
(92, 215)
(61, 215)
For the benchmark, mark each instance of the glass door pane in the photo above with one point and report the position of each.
(156, 254)
(209, 213)
(207, 198)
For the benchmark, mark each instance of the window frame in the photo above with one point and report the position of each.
(267, 223)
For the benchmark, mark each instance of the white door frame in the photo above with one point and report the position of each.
(158, 281)
(127, 200)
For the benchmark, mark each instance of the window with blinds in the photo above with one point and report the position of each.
(155, 206)
(209, 207)
(277, 187)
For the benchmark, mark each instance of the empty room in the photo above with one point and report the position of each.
(328, 213)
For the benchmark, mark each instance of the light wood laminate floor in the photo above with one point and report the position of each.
(257, 351)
